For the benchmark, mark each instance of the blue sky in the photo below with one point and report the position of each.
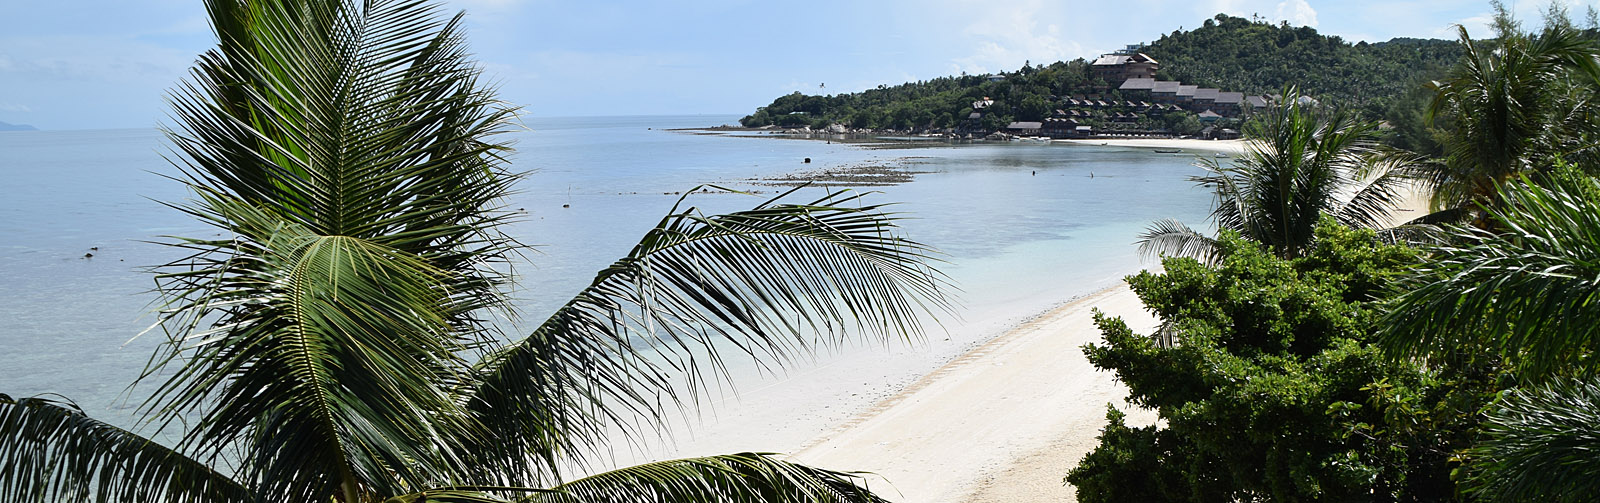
(87, 64)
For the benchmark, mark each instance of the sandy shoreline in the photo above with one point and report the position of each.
(1004, 422)
(1230, 147)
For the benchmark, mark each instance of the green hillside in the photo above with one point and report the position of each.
(1230, 53)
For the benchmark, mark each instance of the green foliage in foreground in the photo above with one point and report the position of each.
(331, 340)
(1525, 295)
(1273, 388)
(1529, 294)
(1540, 444)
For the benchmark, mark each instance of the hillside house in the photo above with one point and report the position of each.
(1185, 95)
(1137, 88)
(1228, 103)
(1164, 92)
(1118, 68)
(1204, 98)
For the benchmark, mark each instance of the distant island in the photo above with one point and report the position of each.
(6, 126)
(1177, 85)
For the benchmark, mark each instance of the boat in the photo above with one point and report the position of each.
(1221, 155)
(1168, 151)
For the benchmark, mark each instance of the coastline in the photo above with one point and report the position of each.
(1002, 422)
(1230, 147)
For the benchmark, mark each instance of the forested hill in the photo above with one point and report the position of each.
(1238, 54)
(1229, 53)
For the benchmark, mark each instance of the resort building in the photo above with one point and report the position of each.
(1204, 98)
(1025, 128)
(1227, 103)
(1117, 68)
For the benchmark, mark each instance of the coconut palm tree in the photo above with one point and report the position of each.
(1300, 162)
(1515, 103)
(1527, 292)
(335, 342)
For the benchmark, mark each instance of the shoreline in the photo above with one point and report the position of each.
(1230, 147)
(1026, 404)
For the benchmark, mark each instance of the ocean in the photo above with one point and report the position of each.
(1024, 227)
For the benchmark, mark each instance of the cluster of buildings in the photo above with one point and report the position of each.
(1192, 98)
(1140, 95)
(1134, 76)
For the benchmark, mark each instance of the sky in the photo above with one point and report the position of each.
(98, 64)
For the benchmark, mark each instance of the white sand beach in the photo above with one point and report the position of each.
(1004, 422)
(1230, 147)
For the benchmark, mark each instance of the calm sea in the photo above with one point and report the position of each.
(1025, 226)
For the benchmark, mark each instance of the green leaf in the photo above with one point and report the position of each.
(51, 451)
(772, 283)
(745, 477)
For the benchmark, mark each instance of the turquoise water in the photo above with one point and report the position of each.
(1024, 225)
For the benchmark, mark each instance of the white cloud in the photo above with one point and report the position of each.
(14, 107)
(1007, 37)
(1297, 13)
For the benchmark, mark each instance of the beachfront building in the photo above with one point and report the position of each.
(1025, 128)
(1118, 68)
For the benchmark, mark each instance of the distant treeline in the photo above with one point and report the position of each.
(1229, 53)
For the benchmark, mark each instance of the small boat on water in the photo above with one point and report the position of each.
(1169, 151)
(1221, 155)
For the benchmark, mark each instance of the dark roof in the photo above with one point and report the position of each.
(1138, 84)
(1230, 98)
(1187, 90)
(1165, 86)
(1206, 94)
(1024, 125)
(1210, 115)
(1256, 101)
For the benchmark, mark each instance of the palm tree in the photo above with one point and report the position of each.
(1539, 444)
(335, 343)
(1528, 292)
(1514, 105)
(1300, 163)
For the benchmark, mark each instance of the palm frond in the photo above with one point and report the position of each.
(1376, 187)
(327, 355)
(469, 494)
(345, 148)
(1169, 237)
(50, 450)
(1415, 235)
(772, 283)
(1539, 445)
(744, 477)
(1529, 293)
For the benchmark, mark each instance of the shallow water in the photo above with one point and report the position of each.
(1025, 226)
